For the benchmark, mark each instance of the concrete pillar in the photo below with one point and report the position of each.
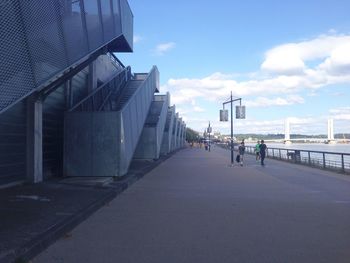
(92, 80)
(34, 139)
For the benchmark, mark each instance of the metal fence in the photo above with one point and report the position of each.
(41, 39)
(326, 160)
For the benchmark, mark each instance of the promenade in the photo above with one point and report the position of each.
(194, 207)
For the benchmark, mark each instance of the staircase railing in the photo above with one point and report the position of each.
(133, 116)
(101, 98)
(115, 60)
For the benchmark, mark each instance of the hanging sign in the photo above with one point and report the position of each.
(240, 112)
(223, 115)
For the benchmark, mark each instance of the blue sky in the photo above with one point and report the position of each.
(286, 59)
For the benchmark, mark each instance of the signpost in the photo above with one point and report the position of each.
(240, 114)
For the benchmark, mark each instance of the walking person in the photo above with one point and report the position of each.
(257, 151)
(263, 149)
(241, 150)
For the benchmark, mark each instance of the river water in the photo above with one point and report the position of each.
(321, 147)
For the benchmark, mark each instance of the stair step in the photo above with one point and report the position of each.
(128, 91)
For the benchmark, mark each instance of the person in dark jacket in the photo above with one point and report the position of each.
(263, 149)
(241, 150)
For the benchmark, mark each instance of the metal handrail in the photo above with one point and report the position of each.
(131, 130)
(153, 70)
(304, 157)
(95, 91)
(115, 59)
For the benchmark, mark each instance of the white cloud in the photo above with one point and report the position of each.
(217, 87)
(267, 102)
(342, 113)
(292, 74)
(292, 58)
(161, 49)
(198, 109)
(285, 60)
(297, 68)
(339, 60)
(137, 39)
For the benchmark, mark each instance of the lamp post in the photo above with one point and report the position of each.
(209, 131)
(240, 114)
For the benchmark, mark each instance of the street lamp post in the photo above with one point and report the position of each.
(209, 131)
(240, 114)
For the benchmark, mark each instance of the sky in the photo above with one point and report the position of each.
(286, 60)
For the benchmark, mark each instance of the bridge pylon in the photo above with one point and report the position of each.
(287, 132)
(330, 132)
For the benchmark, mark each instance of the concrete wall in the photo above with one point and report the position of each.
(168, 132)
(152, 134)
(147, 146)
(174, 133)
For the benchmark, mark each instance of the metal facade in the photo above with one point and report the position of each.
(167, 137)
(152, 134)
(42, 38)
(133, 117)
(116, 140)
(13, 144)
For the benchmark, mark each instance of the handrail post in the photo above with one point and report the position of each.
(342, 163)
(309, 157)
(280, 153)
(324, 160)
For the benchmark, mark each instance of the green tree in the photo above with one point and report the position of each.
(191, 135)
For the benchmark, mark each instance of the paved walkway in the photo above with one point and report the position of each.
(195, 208)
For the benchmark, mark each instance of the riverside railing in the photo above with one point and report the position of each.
(326, 160)
(334, 161)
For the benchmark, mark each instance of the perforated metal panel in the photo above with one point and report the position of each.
(107, 19)
(93, 23)
(39, 39)
(16, 76)
(116, 15)
(44, 37)
(73, 29)
(127, 22)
